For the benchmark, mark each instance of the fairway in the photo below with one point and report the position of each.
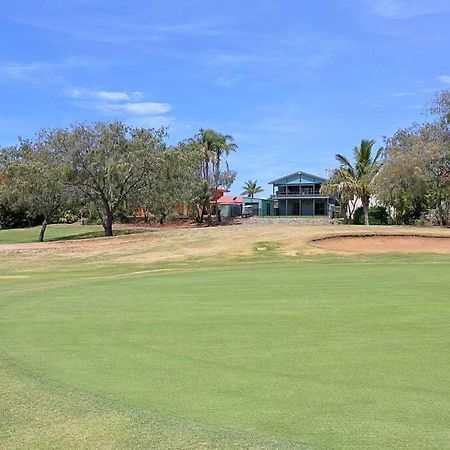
(58, 233)
(258, 352)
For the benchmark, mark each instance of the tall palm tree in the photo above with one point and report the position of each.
(251, 188)
(358, 177)
(215, 149)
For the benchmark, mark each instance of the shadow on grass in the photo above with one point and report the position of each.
(96, 234)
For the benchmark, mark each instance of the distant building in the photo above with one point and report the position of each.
(298, 194)
(238, 205)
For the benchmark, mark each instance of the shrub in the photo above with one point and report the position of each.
(378, 215)
(17, 217)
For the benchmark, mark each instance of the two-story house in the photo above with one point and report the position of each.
(298, 194)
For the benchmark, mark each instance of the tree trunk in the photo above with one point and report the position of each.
(42, 232)
(366, 212)
(440, 210)
(208, 211)
(108, 224)
(202, 214)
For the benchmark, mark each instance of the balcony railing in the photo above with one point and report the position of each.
(298, 194)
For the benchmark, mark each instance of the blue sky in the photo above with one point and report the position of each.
(293, 81)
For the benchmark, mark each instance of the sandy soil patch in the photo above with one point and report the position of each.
(214, 243)
(384, 244)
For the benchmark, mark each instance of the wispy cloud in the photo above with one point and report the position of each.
(406, 9)
(43, 72)
(108, 28)
(444, 79)
(403, 94)
(131, 106)
(106, 95)
(293, 55)
(138, 108)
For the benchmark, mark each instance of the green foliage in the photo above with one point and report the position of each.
(415, 175)
(104, 171)
(378, 215)
(34, 179)
(17, 216)
(107, 163)
(354, 180)
(251, 188)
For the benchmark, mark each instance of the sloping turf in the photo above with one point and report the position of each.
(264, 353)
(58, 233)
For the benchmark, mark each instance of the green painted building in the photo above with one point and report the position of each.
(298, 194)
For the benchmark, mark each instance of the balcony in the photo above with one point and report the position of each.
(311, 194)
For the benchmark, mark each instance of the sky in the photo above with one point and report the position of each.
(294, 82)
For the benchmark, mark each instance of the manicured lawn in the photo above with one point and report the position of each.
(269, 352)
(54, 233)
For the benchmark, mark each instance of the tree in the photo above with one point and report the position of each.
(108, 163)
(251, 188)
(170, 182)
(359, 176)
(415, 174)
(35, 179)
(214, 149)
(337, 184)
(401, 185)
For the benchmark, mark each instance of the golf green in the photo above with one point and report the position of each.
(329, 352)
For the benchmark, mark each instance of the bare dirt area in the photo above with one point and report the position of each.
(227, 242)
(385, 244)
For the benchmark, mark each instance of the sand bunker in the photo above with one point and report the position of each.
(386, 244)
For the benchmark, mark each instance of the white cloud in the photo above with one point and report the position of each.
(444, 79)
(406, 9)
(124, 105)
(116, 96)
(113, 95)
(138, 108)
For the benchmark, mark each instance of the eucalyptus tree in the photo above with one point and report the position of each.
(108, 163)
(251, 188)
(35, 179)
(416, 172)
(359, 176)
(171, 181)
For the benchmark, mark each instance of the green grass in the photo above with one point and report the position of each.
(262, 353)
(55, 233)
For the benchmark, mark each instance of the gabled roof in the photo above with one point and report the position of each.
(299, 174)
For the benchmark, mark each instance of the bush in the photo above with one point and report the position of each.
(378, 215)
(68, 216)
(17, 217)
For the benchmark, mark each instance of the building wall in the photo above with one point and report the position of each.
(301, 207)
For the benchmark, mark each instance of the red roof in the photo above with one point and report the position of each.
(228, 199)
(217, 193)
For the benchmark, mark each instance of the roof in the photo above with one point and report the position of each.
(217, 193)
(229, 199)
(299, 173)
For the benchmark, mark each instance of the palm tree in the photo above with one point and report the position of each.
(337, 184)
(359, 176)
(251, 188)
(215, 148)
